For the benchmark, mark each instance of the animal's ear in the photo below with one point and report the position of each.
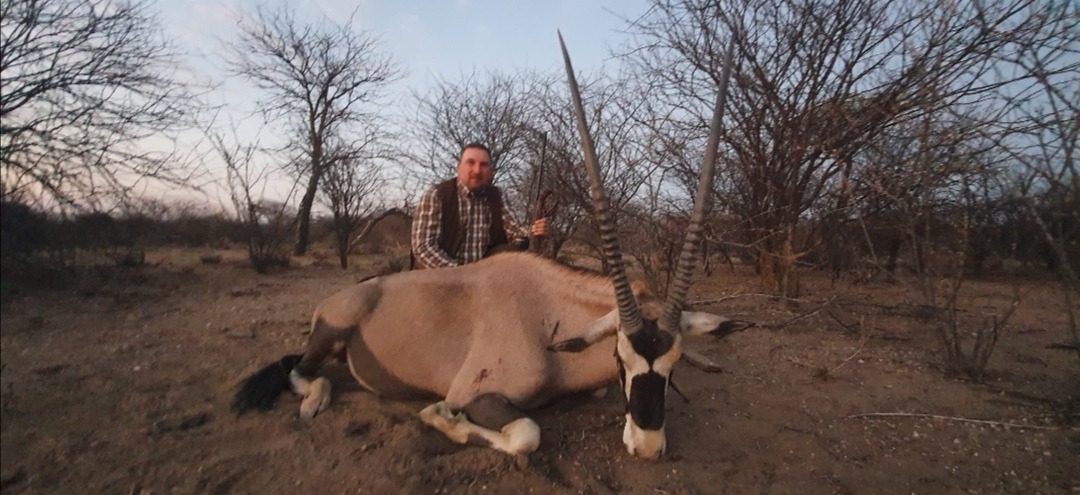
(641, 292)
(598, 330)
(699, 323)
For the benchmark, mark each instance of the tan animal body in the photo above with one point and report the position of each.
(471, 334)
(509, 333)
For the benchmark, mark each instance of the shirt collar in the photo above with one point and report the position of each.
(468, 193)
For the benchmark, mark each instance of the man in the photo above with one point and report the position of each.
(463, 219)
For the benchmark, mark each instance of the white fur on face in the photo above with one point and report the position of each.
(646, 444)
(640, 442)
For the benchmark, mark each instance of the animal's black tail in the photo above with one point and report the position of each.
(262, 388)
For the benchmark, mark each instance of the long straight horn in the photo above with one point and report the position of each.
(629, 314)
(702, 204)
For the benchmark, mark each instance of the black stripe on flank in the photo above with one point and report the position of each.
(374, 373)
(646, 403)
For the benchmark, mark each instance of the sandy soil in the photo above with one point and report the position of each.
(125, 388)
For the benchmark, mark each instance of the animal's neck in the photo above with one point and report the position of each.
(584, 288)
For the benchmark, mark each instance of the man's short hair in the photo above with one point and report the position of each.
(474, 145)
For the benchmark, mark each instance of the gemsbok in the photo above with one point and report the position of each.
(509, 333)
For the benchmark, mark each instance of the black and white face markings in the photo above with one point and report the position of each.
(645, 360)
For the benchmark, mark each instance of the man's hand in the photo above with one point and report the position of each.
(539, 227)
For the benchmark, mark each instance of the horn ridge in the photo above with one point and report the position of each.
(629, 314)
(680, 286)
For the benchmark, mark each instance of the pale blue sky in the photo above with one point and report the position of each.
(435, 39)
(430, 40)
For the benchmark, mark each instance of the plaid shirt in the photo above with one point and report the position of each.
(476, 222)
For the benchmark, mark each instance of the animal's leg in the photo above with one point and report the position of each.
(489, 420)
(701, 361)
(325, 340)
(316, 394)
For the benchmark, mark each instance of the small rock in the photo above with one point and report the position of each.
(240, 333)
(36, 323)
(180, 424)
(9, 478)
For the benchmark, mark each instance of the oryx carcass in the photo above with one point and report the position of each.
(509, 333)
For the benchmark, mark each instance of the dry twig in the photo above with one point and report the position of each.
(738, 295)
(798, 317)
(950, 418)
(865, 338)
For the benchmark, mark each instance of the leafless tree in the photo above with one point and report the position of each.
(625, 155)
(487, 108)
(85, 82)
(527, 122)
(354, 189)
(815, 84)
(319, 79)
(266, 222)
(1039, 128)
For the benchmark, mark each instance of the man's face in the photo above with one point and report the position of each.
(474, 170)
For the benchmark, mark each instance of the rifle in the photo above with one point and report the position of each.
(536, 242)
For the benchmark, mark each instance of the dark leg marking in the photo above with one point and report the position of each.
(576, 344)
(489, 421)
(492, 411)
(321, 345)
(729, 327)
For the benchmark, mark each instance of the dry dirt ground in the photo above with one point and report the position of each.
(125, 387)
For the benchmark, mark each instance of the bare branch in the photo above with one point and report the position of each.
(319, 80)
(86, 82)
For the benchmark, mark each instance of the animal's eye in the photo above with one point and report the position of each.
(622, 369)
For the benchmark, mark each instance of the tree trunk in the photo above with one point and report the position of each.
(303, 224)
(787, 271)
(556, 246)
(343, 250)
(776, 264)
(894, 254)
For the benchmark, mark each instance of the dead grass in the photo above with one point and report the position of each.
(125, 389)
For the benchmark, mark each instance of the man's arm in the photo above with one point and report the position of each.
(514, 230)
(426, 229)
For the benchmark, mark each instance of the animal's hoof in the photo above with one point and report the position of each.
(523, 436)
(317, 400)
(308, 414)
(437, 415)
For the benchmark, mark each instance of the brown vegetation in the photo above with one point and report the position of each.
(123, 386)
